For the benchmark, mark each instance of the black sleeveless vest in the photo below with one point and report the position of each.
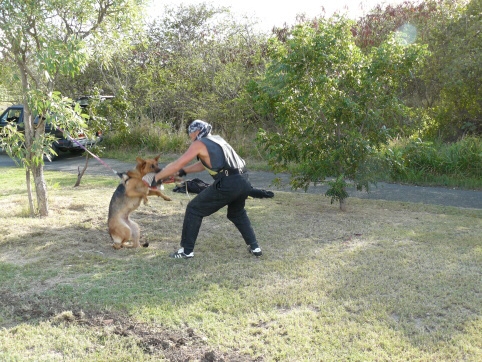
(221, 154)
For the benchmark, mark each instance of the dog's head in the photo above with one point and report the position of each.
(144, 166)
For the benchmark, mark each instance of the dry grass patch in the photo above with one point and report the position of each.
(382, 281)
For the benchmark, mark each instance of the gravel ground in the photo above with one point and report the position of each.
(263, 180)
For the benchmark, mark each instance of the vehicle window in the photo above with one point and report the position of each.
(13, 115)
(3, 120)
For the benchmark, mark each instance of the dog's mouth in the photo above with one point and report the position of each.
(150, 171)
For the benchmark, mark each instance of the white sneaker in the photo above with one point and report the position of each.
(256, 252)
(181, 255)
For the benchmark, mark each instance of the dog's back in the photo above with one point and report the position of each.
(121, 205)
(116, 200)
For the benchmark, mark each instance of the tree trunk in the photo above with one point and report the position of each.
(29, 193)
(81, 173)
(41, 189)
(343, 204)
(37, 169)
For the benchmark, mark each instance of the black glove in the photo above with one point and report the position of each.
(181, 172)
(155, 183)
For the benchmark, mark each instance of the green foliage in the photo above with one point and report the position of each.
(422, 161)
(205, 66)
(60, 112)
(10, 85)
(337, 190)
(62, 57)
(13, 142)
(446, 90)
(194, 62)
(333, 105)
(408, 16)
(144, 137)
(109, 114)
(47, 40)
(457, 68)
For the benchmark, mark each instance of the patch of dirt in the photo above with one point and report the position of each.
(182, 345)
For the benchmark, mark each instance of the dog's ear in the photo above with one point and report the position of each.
(140, 163)
(157, 157)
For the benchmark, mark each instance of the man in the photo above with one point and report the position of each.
(230, 187)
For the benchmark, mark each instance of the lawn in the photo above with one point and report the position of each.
(382, 281)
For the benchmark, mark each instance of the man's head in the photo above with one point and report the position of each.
(199, 128)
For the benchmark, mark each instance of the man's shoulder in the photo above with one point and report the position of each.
(214, 138)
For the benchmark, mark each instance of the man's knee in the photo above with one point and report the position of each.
(237, 215)
(197, 209)
(192, 210)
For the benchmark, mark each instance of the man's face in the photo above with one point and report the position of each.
(193, 135)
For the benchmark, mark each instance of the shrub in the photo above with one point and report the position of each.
(421, 161)
(155, 137)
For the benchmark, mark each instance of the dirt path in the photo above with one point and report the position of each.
(263, 180)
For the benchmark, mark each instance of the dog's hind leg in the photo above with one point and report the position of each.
(117, 242)
(120, 234)
(135, 233)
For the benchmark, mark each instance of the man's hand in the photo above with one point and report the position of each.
(155, 183)
(150, 179)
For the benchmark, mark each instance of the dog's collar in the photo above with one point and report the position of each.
(123, 176)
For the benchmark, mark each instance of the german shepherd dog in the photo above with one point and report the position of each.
(126, 199)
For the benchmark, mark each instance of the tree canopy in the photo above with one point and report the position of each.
(49, 39)
(332, 103)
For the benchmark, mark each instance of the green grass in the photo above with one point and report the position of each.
(382, 281)
(433, 163)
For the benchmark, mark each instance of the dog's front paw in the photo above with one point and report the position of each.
(166, 198)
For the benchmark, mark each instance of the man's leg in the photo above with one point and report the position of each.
(238, 216)
(237, 212)
(204, 204)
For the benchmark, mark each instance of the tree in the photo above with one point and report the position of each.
(10, 87)
(332, 104)
(456, 66)
(191, 62)
(47, 39)
(447, 90)
(197, 62)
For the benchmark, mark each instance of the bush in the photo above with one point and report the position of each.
(158, 137)
(463, 158)
(418, 161)
(154, 137)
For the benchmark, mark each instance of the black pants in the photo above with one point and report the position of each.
(228, 190)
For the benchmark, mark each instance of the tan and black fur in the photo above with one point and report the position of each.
(126, 199)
